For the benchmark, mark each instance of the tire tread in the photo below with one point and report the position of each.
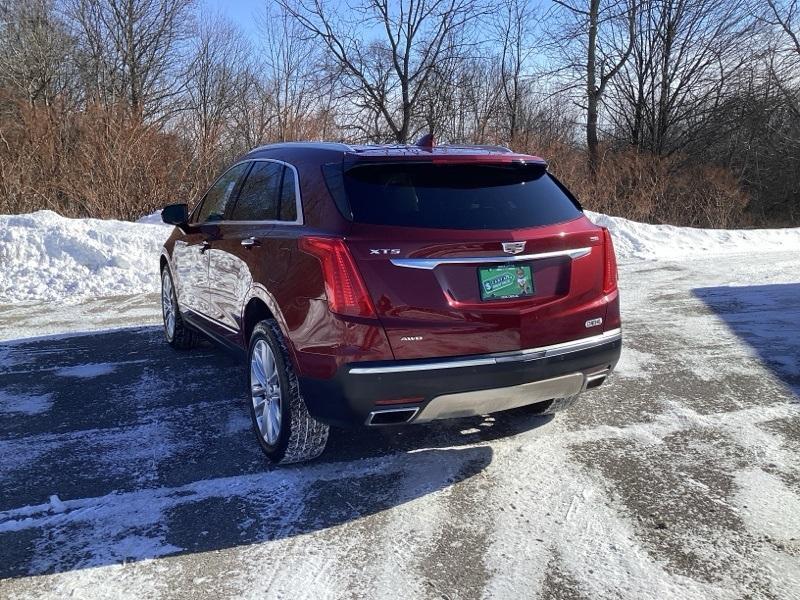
(184, 338)
(307, 436)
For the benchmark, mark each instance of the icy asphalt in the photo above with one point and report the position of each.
(128, 470)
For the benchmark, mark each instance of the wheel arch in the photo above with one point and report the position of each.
(164, 262)
(260, 305)
(255, 311)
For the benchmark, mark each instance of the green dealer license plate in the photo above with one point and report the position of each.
(505, 281)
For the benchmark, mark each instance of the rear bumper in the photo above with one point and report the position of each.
(464, 386)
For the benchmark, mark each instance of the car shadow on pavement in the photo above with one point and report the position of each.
(116, 448)
(767, 318)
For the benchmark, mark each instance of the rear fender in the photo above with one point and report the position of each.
(259, 292)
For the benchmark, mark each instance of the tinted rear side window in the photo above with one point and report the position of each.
(457, 196)
(258, 200)
(288, 208)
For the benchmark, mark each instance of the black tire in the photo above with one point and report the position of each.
(182, 337)
(300, 437)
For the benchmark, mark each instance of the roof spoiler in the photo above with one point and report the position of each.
(426, 142)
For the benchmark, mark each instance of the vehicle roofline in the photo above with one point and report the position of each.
(366, 152)
(485, 158)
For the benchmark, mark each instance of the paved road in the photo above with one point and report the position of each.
(128, 470)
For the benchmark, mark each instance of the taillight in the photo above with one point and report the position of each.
(347, 294)
(609, 263)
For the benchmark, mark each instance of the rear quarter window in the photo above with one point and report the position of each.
(260, 193)
(288, 205)
(269, 193)
(457, 196)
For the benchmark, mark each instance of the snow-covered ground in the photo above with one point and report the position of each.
(128, 470)
(48, 257)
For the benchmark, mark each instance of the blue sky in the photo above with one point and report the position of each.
(241, 12)
(245, 14)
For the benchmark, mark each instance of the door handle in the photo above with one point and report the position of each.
(204, 245)
(250, 242)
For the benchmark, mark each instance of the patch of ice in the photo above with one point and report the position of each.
(56, 505)
(767, 505)
(633, 363)
(139, 547)
(7, 353)
(237, 422)
(772, 510)
(25, 404)
(6, 359)
(87, 371)
(576, 521)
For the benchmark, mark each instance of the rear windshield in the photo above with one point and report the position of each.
(457, 196)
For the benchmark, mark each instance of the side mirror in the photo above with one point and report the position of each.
(175, 214)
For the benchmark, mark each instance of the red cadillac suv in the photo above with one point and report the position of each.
(380, 285)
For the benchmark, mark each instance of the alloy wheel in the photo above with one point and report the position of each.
(168, 305)
(265, 392)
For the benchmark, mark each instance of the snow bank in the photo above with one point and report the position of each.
(153, 219)
(664, 242)
(44, 256)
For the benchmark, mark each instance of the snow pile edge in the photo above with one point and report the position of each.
(47, 257)
(633, 240)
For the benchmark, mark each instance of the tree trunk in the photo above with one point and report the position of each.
(592, 91)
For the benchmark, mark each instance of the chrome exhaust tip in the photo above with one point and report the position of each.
(391, 416)
(596, 379)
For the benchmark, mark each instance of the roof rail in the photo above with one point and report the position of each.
(316, 145)
(342, 147)
(493, 147)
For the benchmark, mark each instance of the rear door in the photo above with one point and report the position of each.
(190, 255)
(471, 259)
(252, 245)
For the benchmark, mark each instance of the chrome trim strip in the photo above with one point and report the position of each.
(193, 314)
(432, 263)
(422, 366)
(530, 354)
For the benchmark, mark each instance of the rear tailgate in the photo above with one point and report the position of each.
(425, 282)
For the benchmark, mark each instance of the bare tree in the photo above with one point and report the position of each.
(461, 99)
(293, 74)
(513, 25)
(215, 76)
(598, 37)
(784, 16)
(479, 88)
(387, 75)
(687, 58)
(132, 50)
(253, 111)
(35, 51)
